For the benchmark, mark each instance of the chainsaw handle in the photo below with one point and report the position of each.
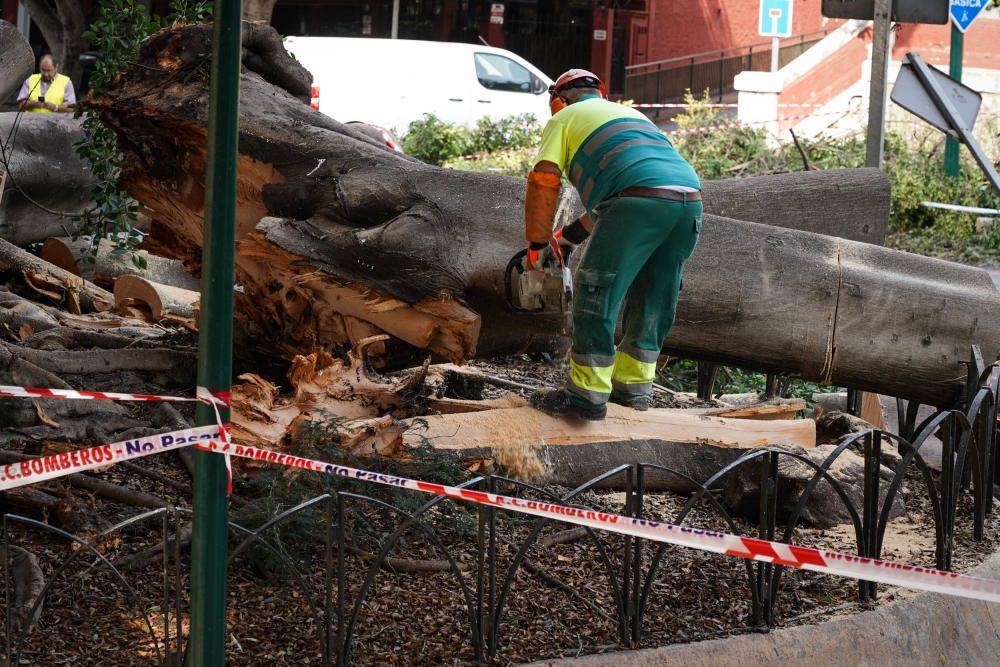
(514, 263)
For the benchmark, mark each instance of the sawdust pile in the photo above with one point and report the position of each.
(518, 451)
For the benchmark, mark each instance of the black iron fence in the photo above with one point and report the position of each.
(335, 593)
(712, 71)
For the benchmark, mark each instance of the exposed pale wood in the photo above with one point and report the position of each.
(526, 426)
(779, 408)
(452, 406)
(161, 300)
(871, 410)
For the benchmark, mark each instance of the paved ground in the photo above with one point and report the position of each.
(995, 275)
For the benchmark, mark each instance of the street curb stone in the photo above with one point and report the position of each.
(930, 629)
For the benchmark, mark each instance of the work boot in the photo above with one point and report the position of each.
(638, 402)
(558, 403)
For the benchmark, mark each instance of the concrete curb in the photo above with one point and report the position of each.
(929, 629)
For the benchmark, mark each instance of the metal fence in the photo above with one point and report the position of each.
(337, 591)
(711, 71)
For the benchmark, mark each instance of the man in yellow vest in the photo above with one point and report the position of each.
(48, 90)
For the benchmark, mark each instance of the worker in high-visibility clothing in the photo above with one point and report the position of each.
(644, 208)
(48, 90)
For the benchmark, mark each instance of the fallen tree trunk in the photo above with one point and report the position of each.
(333, 228)
(47, 183)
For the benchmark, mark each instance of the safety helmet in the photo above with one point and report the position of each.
(577, 78)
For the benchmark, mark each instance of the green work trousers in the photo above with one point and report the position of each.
(636, 254)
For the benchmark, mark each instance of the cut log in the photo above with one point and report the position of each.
(47, 183)
(331, 224)
(499, 428)
(162, 301)
(88, 297)
(70, 255)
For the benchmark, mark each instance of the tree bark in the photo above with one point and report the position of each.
(331, 225)
(17, 61)
(71, 255)
(258, 10)
(44, 276)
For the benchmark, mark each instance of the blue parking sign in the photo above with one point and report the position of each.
(964, 12)
(776, 17)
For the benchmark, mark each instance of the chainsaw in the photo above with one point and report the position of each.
(548, 289)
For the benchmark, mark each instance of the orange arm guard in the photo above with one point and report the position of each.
(540, 203)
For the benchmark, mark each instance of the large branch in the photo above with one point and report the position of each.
(17, 61)
(334, 229)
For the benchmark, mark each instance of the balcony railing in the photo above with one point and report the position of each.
(712, 71)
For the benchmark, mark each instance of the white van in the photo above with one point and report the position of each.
(391, 82)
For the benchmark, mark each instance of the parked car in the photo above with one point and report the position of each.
(391, 82)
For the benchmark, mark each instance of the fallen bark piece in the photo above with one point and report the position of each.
(496, 429)
(162, 301)
(775, 408)
(825, 508)
(29, 584)
(107, 265)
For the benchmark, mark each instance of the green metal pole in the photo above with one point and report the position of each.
(951, 144)
(207, 643)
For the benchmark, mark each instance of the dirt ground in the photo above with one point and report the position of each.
(560, 602)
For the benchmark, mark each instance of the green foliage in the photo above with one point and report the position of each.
(682, 375)
(438, 142)
(434, 141)
(511, 133)
(914, 163)
(517, 162)
(117, 32)
(276, 491)
(190, 11)
(710, 157)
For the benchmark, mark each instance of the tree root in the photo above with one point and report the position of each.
(399, 565)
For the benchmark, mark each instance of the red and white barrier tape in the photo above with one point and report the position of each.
(217, 398)
(681, 105)
(32, 471)
(214, 398)
(216, 439)
(736, 125)
(804, 558)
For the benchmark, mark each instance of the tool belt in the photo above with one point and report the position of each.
(660, 193)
